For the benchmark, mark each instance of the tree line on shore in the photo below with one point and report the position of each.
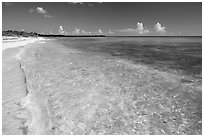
(19, 33)
(35, 34)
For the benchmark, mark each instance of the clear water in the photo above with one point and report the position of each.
(180, 54)
(72, 93)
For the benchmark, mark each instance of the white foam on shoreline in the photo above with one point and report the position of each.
(19, 42)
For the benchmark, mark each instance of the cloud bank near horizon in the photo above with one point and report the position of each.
(159, 29)
(77, 31)
(140, 30)
(62, 31)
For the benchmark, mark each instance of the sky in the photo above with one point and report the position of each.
(109, 18)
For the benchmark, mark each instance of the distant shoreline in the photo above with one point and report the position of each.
(35, 34)
(61, 36)
(42, 35)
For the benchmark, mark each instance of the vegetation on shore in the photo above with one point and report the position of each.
(19, 33)
(35, 34)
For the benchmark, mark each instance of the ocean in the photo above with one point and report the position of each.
(114, 85)
(181, 55)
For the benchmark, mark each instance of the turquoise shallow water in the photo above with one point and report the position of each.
(98, 91)
(178, 54)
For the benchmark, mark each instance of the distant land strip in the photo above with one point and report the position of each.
(35, 34)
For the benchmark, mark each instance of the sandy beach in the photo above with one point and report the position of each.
(12, 42)
(13, 85)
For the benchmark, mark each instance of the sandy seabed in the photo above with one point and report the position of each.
(73, 92)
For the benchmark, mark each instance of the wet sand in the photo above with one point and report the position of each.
(13, 90)
(75, 92)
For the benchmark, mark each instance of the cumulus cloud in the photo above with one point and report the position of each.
(100, 31)
(76, 31)
(61, 28)
(85, 32)
(139, 29)
(125, 30)
(62, 31)
(111, 32)
(47, 16)
(159, 29)
(41, 11)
